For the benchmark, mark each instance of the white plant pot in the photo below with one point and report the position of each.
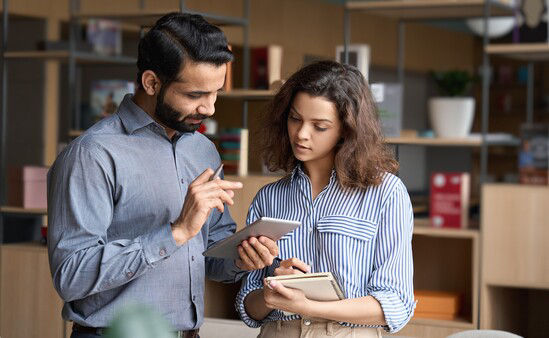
(451, 116)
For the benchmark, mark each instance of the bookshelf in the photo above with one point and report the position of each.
(446, 259)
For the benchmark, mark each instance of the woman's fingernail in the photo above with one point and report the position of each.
(272, 283)
(269, 284)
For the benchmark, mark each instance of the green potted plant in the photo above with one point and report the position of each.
(451, 114)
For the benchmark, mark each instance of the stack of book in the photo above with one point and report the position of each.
(233, 144)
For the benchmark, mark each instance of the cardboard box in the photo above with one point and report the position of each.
(27, 187)
(437, 304)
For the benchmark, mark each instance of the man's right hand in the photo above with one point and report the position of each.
(202, 196)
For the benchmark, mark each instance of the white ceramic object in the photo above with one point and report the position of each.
(451, 116)
(497, 27)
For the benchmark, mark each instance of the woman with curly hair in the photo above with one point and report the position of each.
(322, 128)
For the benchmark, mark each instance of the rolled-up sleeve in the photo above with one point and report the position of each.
(221, 270)
(80, 210)
(391, 282)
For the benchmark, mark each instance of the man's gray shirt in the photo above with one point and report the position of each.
(112, 194)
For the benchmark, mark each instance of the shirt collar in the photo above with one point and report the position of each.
(298, 172)
(132, 116)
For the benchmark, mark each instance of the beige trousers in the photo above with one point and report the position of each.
(306, 328)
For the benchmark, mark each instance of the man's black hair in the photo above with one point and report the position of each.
(177, 38)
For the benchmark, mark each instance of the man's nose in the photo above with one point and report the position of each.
(207, 106)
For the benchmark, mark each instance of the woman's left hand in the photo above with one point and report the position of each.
(279, 297)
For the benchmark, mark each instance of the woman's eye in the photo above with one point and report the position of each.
(293, 118)
(320, 128)
(193, 96)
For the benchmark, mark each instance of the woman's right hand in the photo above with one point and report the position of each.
(292, 266)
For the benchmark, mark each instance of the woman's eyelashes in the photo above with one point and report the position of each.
(294, 118)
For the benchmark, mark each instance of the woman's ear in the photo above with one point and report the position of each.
(150, 82)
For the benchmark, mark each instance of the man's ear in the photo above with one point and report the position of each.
(150, 82)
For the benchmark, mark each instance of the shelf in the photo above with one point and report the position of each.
(248, 94)
(22, 211)
(448, 142)
(458, 322)
(422, 227)
(521, 51)
(148, 18)
(430, 9)
(81, 57)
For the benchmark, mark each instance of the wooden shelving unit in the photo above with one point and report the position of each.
(515, 277)
(448, 262)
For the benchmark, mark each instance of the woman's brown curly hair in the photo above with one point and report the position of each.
(362, 157)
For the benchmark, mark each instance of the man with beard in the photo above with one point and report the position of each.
(131, 206)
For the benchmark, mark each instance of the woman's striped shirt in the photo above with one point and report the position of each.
(362, 236)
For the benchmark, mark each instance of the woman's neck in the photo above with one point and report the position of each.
(319, 173)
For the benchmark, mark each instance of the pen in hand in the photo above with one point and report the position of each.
(217, 172)
(294, 267)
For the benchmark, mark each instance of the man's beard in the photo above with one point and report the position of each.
(169, 117)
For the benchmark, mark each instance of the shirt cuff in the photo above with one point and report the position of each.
(159, 244)
(241, 309)
(396, 313)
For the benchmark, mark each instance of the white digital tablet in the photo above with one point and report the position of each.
(273, 228)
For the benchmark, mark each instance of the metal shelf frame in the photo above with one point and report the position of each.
(451, 10)
(74, 58)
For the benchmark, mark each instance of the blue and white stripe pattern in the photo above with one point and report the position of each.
(363, 236)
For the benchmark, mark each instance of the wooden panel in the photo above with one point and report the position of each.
(243, 198)
(30, 306)
(516, 233)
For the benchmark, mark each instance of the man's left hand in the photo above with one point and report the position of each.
(256, 253)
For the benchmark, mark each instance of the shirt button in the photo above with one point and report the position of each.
(306, 322)
(182, 181)
(310, 230)
(192, 258)
(129, 274)
(194, 298)
(162, 252)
